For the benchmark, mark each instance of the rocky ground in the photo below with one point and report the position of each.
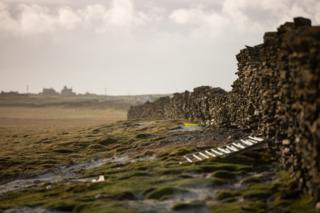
(144, 171)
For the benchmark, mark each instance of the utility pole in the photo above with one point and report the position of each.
(27, 89)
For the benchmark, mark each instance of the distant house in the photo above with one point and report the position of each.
(11, 94)
(49, 92)
(67, 91)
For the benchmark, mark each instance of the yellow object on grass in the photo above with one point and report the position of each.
(190, 124)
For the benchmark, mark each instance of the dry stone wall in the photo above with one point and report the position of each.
(204, 105)
(281, 78)
(277, 94)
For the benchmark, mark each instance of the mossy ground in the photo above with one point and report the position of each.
(150, 177)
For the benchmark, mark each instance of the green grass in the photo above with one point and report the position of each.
(162, 179)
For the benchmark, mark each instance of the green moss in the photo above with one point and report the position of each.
(256, 206)
(159, 179)
(192, 206)
(62, 205)
(165, 192)
(266, 186)
(208, 168)
(171, 171)
(303, 203)
(192, 182)
(218, 181)
(107, 141)
(231, 167)
(222, 195)
(134, 174)
(260, 191)
(233, 207)
(182, 151)
(224, 174)
(104, 207)
(252, 180)
(257, 195)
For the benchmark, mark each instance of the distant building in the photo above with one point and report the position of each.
(11, 94)
(67, 91)
(49, 92)
(89, 94)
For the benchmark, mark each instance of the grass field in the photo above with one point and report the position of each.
(59, 112)
(57, 117)
(140, 164)
(52, 153)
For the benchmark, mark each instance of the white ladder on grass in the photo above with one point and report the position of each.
(224, 150)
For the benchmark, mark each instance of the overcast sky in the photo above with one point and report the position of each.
(133, 46)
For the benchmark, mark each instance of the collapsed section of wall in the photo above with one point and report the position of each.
(277, 94)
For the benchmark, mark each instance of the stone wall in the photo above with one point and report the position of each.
(204, 105)
(277, 95)
(280, 80)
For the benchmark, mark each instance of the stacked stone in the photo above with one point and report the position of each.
(141, 112)
(285, 95)
(199, 104)
(205, 105)
(304, 72)
(277, 94)
(150, 111)
(187, 105)
(177, 103)
(244, 103)
(217, 108)
(286, 111)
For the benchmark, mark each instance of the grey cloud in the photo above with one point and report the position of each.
(35, 18)
(38, 16)
(133, 46)
(241, 14)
